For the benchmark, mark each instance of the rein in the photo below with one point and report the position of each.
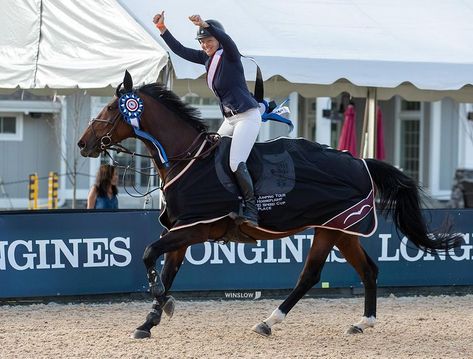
(210, 137)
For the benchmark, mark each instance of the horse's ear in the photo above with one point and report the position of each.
(127, 81)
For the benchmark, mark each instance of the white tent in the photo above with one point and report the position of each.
(420, 49)
(59, 45)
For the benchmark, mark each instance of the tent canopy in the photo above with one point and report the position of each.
(51, 45)
(418, 49)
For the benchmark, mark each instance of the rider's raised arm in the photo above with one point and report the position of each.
(186, 53)
(193, 55)
(229, 47)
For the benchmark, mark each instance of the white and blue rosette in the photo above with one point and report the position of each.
(131, 107)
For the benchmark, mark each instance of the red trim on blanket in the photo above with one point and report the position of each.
(352, 215)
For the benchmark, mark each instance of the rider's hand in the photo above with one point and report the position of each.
(158, 20)
(197, 20)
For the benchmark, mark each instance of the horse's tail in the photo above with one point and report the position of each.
(400, 197)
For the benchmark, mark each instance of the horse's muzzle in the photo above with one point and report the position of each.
(87, 152)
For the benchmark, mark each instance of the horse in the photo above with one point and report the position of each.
(177, 138)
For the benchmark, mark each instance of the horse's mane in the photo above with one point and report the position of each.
(173, 102)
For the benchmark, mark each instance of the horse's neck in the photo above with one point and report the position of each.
(175, 136)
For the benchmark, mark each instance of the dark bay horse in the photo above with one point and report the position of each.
(176, 137)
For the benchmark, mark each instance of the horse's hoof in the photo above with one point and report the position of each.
(262, 329)
(354, 330)
(169, 305)
(141, 334)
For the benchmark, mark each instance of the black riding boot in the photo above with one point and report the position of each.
(250, 211)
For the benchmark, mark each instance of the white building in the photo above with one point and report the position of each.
(428, 140)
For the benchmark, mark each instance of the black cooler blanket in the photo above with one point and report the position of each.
(298, 184)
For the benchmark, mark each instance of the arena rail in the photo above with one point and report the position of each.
(83, 252)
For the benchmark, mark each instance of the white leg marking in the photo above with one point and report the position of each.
(276, 317)
(366, 322)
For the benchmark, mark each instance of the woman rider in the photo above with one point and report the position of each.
(225, 76)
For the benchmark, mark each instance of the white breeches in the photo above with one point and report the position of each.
(244, 127)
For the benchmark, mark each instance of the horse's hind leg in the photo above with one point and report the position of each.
(350, 248)
(175, 243)
(321, 247)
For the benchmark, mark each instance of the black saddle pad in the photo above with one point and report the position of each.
(298, 183)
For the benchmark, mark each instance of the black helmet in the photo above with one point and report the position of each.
(202, 32)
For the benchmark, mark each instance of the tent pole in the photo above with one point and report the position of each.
(363, 130)
(369, 125)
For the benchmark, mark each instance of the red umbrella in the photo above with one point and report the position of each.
(380, 155)
(347, 140)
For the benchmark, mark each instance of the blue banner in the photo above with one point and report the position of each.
(49, 253)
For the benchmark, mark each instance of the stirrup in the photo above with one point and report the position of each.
(240, 219)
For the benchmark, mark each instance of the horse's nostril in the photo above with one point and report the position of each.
(81, 144)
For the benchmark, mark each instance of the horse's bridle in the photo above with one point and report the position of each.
(105, 140)
(106, 143)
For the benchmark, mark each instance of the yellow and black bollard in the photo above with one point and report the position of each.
(33, 191)
(52, 190)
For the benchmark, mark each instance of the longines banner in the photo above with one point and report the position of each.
(69, 253)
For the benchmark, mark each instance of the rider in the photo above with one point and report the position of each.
(225, 76)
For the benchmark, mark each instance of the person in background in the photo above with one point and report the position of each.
(103, 194)
(226, 78)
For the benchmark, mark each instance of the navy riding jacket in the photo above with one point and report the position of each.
(229, 80)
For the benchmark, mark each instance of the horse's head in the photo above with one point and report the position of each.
(108, 128)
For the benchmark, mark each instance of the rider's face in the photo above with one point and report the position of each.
(209, 45)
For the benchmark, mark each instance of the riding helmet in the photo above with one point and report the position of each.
(202, 32)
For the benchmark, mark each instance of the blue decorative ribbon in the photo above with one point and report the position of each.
(131, 107)
(273, 115)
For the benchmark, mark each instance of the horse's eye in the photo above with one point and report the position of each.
(110, 108)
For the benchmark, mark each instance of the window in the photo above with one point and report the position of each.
(410, 147)
(306, 118)
(409, 137)
(11, 127)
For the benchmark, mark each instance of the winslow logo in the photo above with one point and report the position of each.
(243, 295)
(58, 253)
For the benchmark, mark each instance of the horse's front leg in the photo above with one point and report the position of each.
(172, 264)
(175, 243)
